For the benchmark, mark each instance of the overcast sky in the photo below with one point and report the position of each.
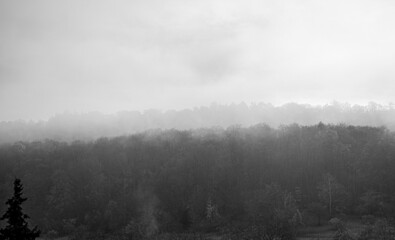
(107, 56)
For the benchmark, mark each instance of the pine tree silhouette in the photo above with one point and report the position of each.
(17, 227)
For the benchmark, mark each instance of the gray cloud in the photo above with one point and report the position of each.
(110, 56)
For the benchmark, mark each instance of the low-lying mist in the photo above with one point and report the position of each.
(89, 126)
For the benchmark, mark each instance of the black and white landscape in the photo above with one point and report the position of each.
(210, 119)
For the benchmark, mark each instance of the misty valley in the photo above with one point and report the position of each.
(197, 120)
(318, 181)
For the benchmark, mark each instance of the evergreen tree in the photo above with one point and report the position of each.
(17, 227)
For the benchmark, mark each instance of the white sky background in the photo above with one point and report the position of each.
(107, 56)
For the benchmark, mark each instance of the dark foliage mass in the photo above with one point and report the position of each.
(17, 228)
(248, 183)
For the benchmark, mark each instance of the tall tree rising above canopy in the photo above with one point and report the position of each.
(17, 228)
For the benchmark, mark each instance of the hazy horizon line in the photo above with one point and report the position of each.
(381, 105)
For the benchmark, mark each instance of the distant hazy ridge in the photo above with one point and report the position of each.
(88, 126)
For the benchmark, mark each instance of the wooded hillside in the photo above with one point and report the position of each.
(207, 180)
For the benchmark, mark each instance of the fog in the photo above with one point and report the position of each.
(110, 56)
(94, 125)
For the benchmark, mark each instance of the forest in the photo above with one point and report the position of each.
(93, 125)
(238, 182)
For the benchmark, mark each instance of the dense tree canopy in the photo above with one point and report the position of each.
(204, 180)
